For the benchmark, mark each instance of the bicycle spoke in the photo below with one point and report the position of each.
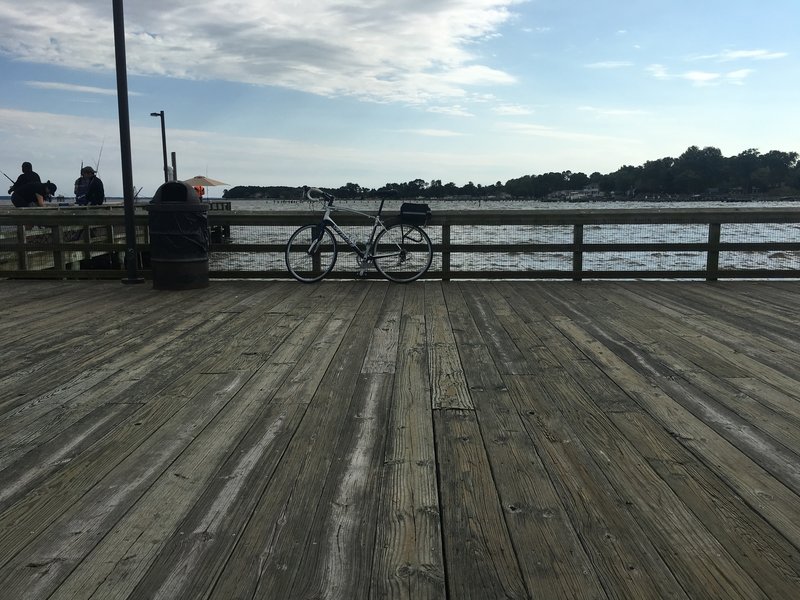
(403, 253)
(310, 253)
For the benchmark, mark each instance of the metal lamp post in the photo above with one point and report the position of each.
(131, 255)
(163, 142)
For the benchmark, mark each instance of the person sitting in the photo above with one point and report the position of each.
(32, 194)
(28, 175)
(200, 190)
(89, 188)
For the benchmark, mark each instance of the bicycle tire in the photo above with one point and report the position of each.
(402, 253)
(305, 265)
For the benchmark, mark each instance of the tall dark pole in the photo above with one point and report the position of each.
(125, 143)
(163, 142)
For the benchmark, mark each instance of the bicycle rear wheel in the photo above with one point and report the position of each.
(311, 253)
(402, 253)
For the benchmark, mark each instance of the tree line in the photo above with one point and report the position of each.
(696, 171)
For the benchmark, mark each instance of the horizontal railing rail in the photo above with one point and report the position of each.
(591, 243)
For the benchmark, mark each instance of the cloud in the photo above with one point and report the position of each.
(731, 55)
(238, 160)
(613, 112)
(68, 87)
(544, 131)
(452, 111)
(658, 71)
(414, 52)
(432, 132)
(738, 77)
(702, 78)
(610, 64)
(511, 110)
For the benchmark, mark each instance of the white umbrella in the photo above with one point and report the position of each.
(204, 181)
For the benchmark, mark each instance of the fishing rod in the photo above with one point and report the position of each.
(7, 177)
(99, 156)
(97, 166)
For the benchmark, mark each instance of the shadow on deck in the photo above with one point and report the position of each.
(367, 440)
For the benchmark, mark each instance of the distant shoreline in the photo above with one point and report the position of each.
(694, 198)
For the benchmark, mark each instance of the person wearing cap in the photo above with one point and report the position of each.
(89, 188)
(33, 193)
(28, 175)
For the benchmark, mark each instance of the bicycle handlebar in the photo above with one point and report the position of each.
(308, 193)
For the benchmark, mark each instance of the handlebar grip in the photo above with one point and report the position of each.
(322, 195)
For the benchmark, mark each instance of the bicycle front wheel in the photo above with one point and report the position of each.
(402, 253)
(311, 253)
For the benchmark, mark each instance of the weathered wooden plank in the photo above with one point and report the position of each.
(43, 421)
(755, 343)
(770, 560)
(551, 557)
(779, 506)
(747, 539)
(626, 561)
(336, 561)
(266, 565)
(239, 439)
(776, 323)
(408, 561)
(182, 385)
(381, 355)
(92, 541)
(703, 568)
(758, 548)
(29, 516)
(481, 558)
(28, 380)
(58, 407)
(690, 389)
(448, 384)
(524, 330)
(508, 358)
(194, 554)
(535, 310)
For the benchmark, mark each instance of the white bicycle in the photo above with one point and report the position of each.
(400, 251)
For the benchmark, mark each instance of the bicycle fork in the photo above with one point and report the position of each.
(316, 243)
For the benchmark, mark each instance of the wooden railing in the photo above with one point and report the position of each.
(756, 242)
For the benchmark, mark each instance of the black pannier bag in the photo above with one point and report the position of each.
(415, 214)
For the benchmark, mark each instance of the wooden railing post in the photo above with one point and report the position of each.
(712, 256)
(446, 252)
(22, 255)
(577, 253)
(59, 264)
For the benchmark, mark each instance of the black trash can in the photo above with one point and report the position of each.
(179, 238)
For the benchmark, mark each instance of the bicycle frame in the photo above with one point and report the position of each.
(328, 221)
(404, 256)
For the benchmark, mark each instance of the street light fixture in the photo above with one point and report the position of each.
(163, 142)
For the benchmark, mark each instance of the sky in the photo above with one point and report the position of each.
(324, 92)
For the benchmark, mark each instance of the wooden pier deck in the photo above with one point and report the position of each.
(356, 440)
